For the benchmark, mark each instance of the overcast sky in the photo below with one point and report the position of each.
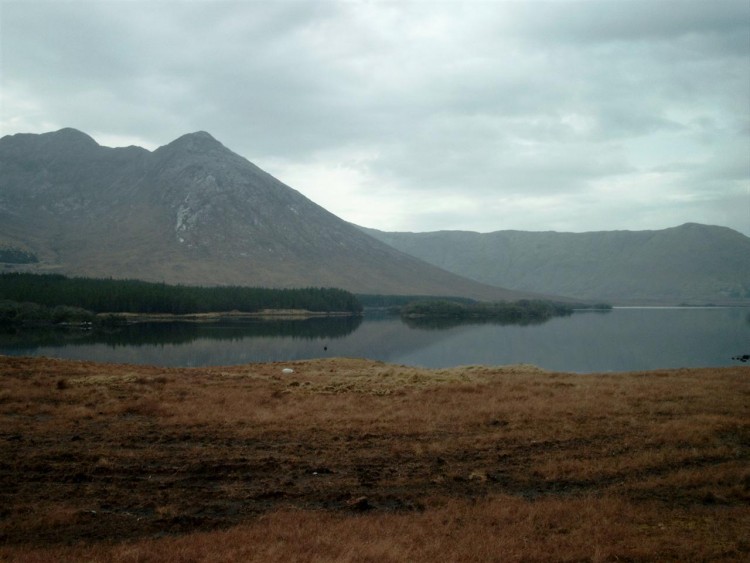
(416, 116)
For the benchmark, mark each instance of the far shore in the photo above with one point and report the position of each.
(221, 315)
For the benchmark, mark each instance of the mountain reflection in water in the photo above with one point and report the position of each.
(150, 333)
(442, 323)
(626, 339)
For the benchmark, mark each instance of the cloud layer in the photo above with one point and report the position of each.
(554, 115)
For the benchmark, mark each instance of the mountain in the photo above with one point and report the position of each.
(691, 263)
(190, 212)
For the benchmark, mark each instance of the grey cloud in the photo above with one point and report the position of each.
(607, 21)
(492, 100)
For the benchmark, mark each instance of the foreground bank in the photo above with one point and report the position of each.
(355, 460)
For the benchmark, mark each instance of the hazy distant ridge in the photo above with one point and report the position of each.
(691, 263)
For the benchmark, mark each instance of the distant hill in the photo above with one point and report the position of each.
(691, 263)
(190, 212)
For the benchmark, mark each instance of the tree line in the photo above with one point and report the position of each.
(524, 310)
(397, 302)
(135, 296)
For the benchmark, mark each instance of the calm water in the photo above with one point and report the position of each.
(621, 340)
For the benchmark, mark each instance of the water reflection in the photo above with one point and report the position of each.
(150, 333)
(622, 340)
(442, 323)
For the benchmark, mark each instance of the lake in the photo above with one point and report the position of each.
(623, 339)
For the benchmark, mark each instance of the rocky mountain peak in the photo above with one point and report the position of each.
(198, 142)
(70, 134)
(69, 140)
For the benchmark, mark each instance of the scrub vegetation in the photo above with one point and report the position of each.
(355, 460)
(13, 313)
(519, 312)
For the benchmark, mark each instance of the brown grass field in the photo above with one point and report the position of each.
(355, 460)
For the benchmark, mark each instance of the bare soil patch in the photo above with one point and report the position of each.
(358, 460)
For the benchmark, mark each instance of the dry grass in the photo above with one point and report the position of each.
(501, 528)
(353, 460)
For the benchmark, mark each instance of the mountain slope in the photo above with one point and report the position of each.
(190, 212)
(690, 263)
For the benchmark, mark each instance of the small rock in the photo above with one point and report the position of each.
(287, 370)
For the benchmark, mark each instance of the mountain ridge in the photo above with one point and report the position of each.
(690, 263)
(192, 212)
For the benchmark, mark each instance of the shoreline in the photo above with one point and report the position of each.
(224, 315)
